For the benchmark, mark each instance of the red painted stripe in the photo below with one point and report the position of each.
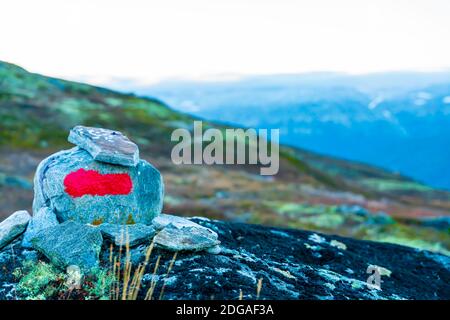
(90, 182)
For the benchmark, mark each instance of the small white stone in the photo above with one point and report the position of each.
(316, 238)
(214, 250)
(338, 244)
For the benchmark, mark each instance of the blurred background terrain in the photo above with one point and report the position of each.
(396, 120)
(311, 191)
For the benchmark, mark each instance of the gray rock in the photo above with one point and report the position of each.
(70, 243)
(143, 202)
(164, 220)
(13, 226)
(186, 238)
(105, 145)
(181, 234)
(41, 220)
(134, 234)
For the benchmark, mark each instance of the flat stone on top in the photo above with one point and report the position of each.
(106, 145)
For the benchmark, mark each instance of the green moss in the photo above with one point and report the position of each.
(42, 281)
(38, 280)
(323, 220)
(113, 102)
(99, 284)
(411, 236)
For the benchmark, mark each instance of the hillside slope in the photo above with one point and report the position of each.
(310, 191)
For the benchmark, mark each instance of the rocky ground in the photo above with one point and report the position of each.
(254, 262)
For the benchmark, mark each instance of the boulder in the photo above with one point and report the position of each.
(13, 226)
(105, 145)
(70, 243)
(134, 234)
(164, 220)
(41, 220)
(77, 187)
(186, 238)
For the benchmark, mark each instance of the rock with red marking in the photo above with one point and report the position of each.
(105, 145)
(77, 187)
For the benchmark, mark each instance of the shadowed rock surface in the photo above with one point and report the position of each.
(133, 234)
(292, 264)
(70, 243)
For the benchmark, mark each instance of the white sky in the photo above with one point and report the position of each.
(147, 40)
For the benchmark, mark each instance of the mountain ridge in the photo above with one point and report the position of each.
(398, 121)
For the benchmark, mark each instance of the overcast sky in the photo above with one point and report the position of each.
(147, 40)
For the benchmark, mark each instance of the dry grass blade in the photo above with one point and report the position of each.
(128, 265)
(127, 283)
(150, 291)
(258, 288)
(119, 264)
(141, 270)
(167, 274)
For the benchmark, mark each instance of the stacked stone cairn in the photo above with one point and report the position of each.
(100, 190)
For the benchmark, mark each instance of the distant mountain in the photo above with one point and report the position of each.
(398, 121)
